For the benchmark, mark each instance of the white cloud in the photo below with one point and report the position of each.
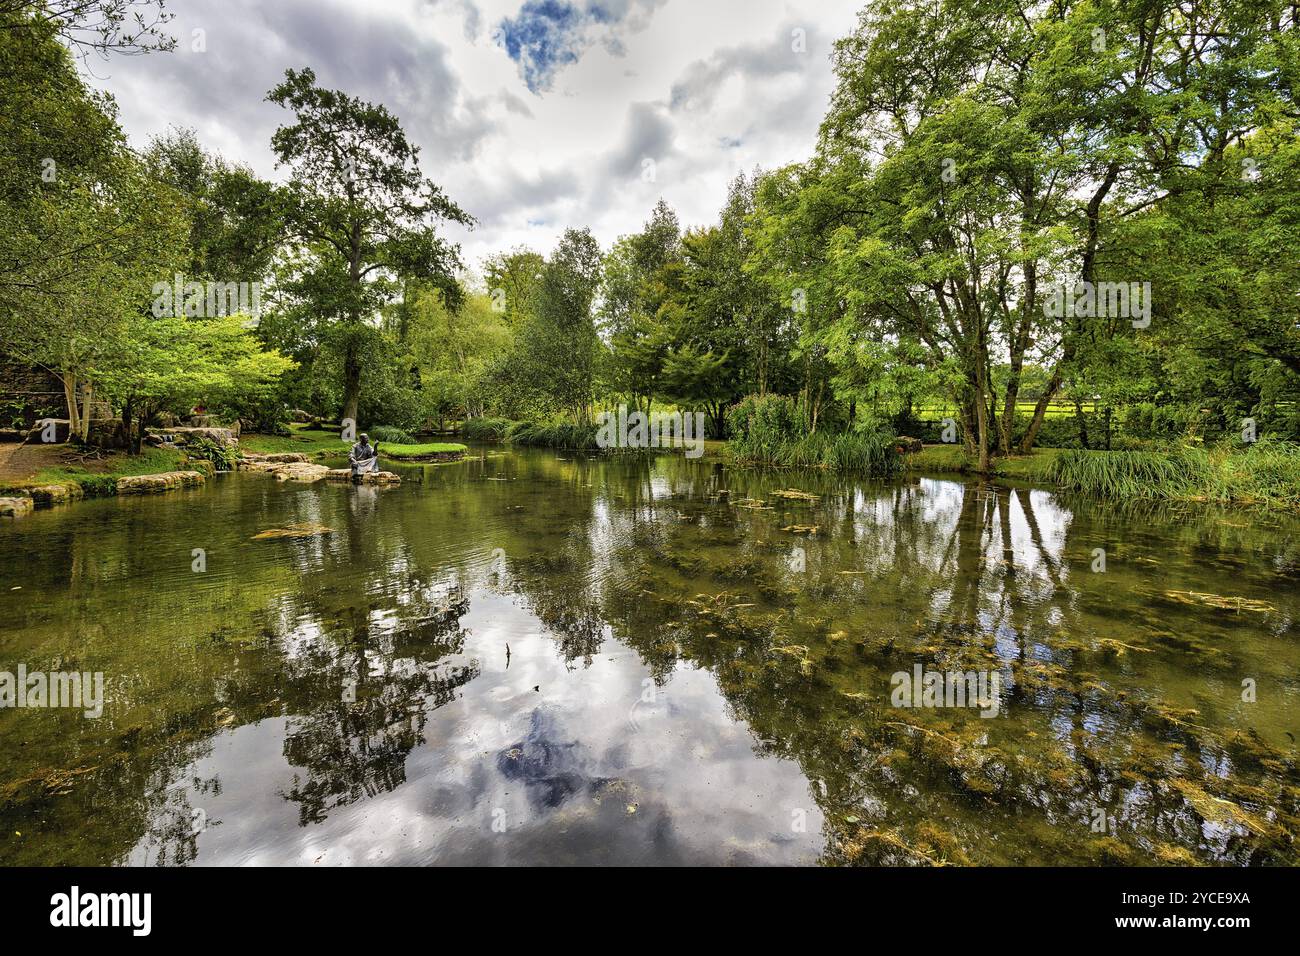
(703, 90)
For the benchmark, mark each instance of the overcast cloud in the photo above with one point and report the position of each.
(534, 115)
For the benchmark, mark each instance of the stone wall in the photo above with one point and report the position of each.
(29, 393)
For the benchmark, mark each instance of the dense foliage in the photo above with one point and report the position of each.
(1071, 225)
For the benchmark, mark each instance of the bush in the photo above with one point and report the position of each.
(391, 434)
(761, 426)
(205, 449)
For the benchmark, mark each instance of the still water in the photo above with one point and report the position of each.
(539, 657)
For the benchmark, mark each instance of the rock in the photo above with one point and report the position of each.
(298, 415)
(299, 471)
(373, 478)
(275, 458)
(907, 446)
(287, 466)
(107, 433)
(150, 484)
(15, 507)
(303, 530)
(47, 495)
(379, 478)
(202, 464)
(12, 434)
(180, 436)
(60, 433)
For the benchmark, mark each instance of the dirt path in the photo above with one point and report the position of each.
(19, 462)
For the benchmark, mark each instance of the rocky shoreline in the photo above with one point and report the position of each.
(285, 466)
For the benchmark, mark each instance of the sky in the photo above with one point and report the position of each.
(533, 115)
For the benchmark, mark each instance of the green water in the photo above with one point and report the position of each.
(648, 672)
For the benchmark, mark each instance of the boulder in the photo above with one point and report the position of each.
(150, 484)
(299, 471)
(47, 495)
(373, 478)
(300, 416)
(108, 433)
(61, 430)
(181, 436)
(15, 507)
(281, 457)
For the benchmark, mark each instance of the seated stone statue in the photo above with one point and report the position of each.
(364, 457)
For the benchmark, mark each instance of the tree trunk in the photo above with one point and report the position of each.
(88, 393)
(351, 384)
(1040, 409)
(70, 397)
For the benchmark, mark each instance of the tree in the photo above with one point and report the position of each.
(172, 363)
(236, 220)
(454, 350)
(557, 348)
(93, 26)
(362, 211)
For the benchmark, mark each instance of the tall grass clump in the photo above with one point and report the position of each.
(1266, 471)
(762, 426)
(768, 429)
(391, 434)
(1178, 473)
(558, 434)
(486, 429)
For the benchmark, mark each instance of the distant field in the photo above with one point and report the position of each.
(1054, 410)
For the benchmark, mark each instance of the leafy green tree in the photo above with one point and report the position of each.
(170, 364)
(557, 349)
(363, 212)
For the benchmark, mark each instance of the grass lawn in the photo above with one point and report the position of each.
(308, 441)
(95, 475)
(417, 451)
(953, 458)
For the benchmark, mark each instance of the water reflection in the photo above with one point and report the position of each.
(650, 677)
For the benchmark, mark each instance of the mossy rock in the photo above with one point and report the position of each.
(15, 507)
(153, 484)
(46, 495)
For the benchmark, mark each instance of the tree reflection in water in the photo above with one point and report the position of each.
(350, 653)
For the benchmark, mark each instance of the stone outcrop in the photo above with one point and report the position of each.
(299, 471)
(285, 466)
(150, 484)
(108, 433)
(250, 462)
(15, 507)
(373, 478)
(47, 495)
(182, 436)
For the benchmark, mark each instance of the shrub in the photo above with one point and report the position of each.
(205, 449)
(762, 425)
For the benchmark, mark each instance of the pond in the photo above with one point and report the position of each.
(542, 657)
